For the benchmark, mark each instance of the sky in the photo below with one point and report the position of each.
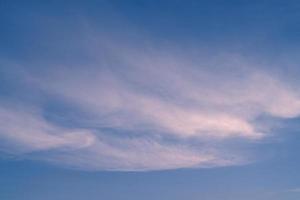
(141, 100)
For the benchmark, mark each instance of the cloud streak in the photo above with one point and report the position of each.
(145, 109)
(27, 131)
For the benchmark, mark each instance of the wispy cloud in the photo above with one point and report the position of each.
(148, 110)
(27, 131)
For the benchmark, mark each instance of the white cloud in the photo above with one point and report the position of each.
(176, 96)
(170, 111)
(28, 131)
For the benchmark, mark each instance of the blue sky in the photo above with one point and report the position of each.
(149, 100)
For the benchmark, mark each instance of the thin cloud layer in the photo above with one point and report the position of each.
(145, 110)
(28, 131)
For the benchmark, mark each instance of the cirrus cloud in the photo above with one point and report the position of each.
(145, 110)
